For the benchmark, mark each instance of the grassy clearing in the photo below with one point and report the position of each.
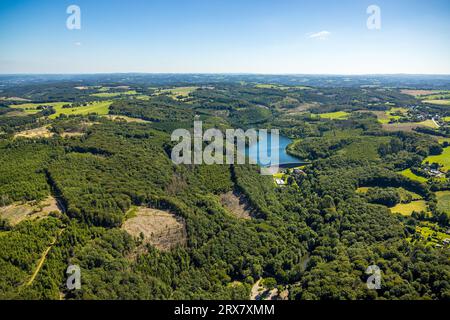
(177, 93)
(99, 107)
(114, 94)
(443, 198)
(405, 194)
(443, 159)
(362, 190)
(408, 126)
(406, 209)
(409, 174)
(444, 102)
(442, 140)
(338, 115)
(32, 108)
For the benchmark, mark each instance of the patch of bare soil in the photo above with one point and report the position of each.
(419, 92)
(236, 204)
(16, 213)
(42, 132)
(161, 229)
(259, 292)
(126, 119)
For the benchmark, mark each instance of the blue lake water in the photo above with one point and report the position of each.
(285, 159)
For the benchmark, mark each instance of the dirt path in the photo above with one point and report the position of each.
(42, 260)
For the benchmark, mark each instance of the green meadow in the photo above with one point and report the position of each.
(114, 94)
(334, 115)
(409, 174)
(179, 91)
(406, 209)
(99, 107)
(443, 159)
(445, 102)
(443, 198)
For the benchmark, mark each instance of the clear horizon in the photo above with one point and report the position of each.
(226, 37)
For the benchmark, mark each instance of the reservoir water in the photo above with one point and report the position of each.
(285, 159)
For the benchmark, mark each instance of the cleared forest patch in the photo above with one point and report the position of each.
(16, 213)
(161, 229)
(236, 205)
(41, 132)
(125, 119)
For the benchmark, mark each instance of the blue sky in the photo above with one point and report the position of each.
(226, 36)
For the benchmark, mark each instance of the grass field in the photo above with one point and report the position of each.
(418, 93)
(408, 208)
(408, 126)
(447, 119)
(443, 198)
(445, 102)
(362, 190)
(443, 159)
(99, 107)
(409, 174)
(442, 140)
(385, 116)
(176, 92)
(334, 115)
(404, 194)
(114, 94)
(31, 108)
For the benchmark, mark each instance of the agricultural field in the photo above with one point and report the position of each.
(338, 115)
(98, 107)
(408, 126)
(406, 209)
(443, 198)
(392, 114)
(178, 92)
(409, 174)
(418, 93)
(32, 108)
(443, 159)
(114, 94)
(442, 102)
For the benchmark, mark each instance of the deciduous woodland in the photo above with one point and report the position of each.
(368, 195)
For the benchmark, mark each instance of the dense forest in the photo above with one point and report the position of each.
(314, 237)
